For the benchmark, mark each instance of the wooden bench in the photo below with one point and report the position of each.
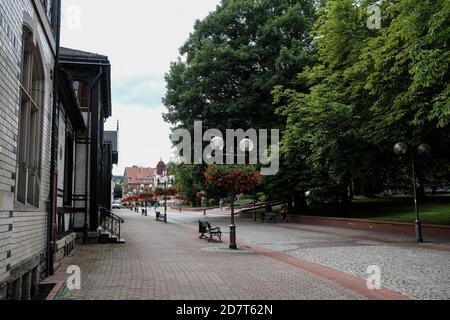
(159, 216)
(208, 232)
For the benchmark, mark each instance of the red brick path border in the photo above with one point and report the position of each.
(436, 232)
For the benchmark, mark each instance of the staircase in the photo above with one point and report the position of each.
(110, 229)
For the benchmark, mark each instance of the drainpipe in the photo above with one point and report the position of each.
(51, 224)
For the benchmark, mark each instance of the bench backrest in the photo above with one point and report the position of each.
(210, 227)
(202, 226)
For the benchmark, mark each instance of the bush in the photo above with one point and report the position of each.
(213, 203)
(261, 197)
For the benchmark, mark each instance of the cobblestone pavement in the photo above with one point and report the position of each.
(168, 262)
(416, 271)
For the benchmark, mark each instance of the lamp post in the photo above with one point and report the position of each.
(246, 145)
(254, 203)
(167, 180)
(423, 149)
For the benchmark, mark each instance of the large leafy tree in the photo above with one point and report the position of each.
(234, 58)
(370, 89)
(232, 61)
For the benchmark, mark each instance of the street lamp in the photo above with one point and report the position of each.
(168, 180)
(401, 149)
(246, 145)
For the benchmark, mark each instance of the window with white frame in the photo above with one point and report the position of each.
(30, 123)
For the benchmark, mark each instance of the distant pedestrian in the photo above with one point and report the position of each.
(221, 204)
(284, 212)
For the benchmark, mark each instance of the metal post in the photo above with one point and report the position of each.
(254, 204)
(233, 245)
(416, 205)
(165, 201)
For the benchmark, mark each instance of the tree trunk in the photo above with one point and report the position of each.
(350, 190)
(289, 200)
(300, 203)
(345, 201)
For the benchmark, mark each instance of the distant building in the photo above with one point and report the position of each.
(110, 158)
(161, 168)
(137, 179)
(140, 179)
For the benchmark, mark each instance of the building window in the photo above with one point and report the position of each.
(30, 125)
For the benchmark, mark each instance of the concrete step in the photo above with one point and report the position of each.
(107, 238)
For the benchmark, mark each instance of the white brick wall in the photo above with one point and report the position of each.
(61, 157)
(29, 225)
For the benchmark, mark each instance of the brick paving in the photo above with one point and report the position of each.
(420, 271)
(168, 262)
(279, 261)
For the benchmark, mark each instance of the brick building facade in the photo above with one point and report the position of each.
(139, 179)
(27, 58)
(54, 161)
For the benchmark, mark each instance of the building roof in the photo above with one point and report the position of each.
(161, 167)
(73, 54)
(139, 175)
(111, 137)
(85, 59)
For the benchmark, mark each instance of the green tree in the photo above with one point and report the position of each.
(234, 58)
(118, 190)
(369, 90)
(232, 61)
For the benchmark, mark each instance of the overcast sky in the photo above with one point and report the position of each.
(141, 38)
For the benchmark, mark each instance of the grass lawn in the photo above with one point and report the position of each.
(187, 206)
(243, 202)
(432, 210)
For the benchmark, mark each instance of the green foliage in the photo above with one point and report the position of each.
(118, 190)
(342, 94)
(369, 90)
(234, 58)
(189, 181)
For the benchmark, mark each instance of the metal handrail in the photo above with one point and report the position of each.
(111, 222)
(115, 216)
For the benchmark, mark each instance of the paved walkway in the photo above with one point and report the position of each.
(168, 261)
(420, 271)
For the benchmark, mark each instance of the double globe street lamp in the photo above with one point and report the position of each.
(246, 146)
(168, 182)
(423, 149)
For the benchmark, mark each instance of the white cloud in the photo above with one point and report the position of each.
(143, 136)
(141, 38)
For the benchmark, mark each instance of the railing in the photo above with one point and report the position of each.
(110, 222)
